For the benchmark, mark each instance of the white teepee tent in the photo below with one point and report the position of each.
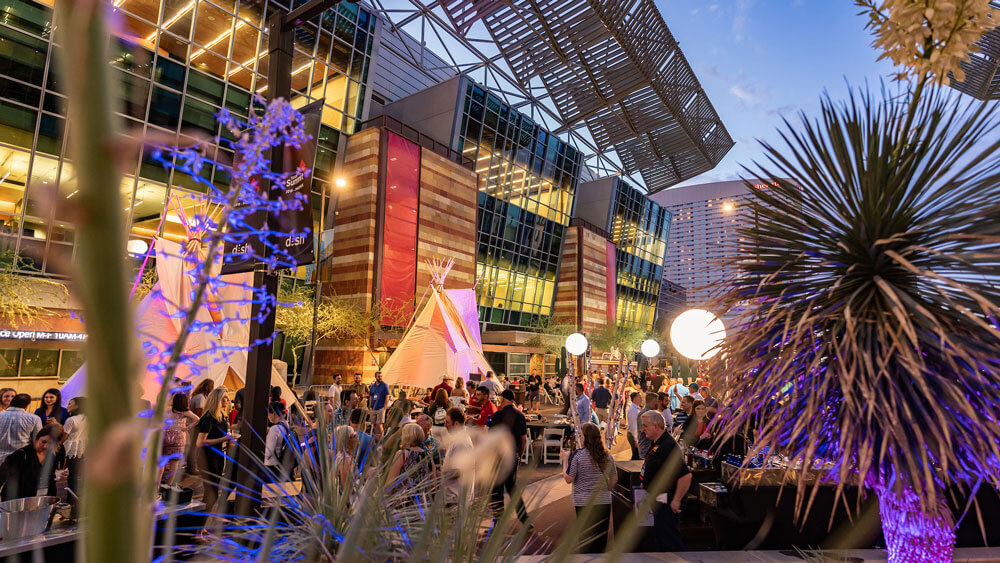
(158, 319)
(444, 338)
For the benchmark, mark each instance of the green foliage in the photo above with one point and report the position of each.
(612, 337)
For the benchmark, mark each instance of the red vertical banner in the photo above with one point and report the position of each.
(611, 282)
(399, 229)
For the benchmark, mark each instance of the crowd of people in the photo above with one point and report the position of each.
(663, 417)
(38, 447)
(369, 426)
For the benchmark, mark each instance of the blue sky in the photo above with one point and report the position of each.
(759, 60)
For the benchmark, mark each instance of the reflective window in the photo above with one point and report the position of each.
(640, 229)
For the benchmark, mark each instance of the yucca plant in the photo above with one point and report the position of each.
(870, 339)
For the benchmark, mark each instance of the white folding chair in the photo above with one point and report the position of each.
(552, 439)
(526, 456)
(546, 399)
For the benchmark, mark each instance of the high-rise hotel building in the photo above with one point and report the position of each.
(437, 165)
(704, 238)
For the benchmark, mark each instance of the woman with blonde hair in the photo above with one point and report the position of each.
(459, 396)
(345, 439)
(411, 464)
(6, 396)
(214, 439)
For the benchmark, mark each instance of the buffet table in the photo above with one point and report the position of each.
(56, 544)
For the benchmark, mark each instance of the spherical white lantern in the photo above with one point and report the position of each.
(697, 334)
(576, 344)
(649, 348)
(136, 246)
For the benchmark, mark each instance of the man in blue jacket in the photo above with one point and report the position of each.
(378, 394)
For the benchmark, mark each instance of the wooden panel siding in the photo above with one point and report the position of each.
(447, 223)
(582, 300)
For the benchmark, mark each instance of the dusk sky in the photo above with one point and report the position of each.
(758, 60)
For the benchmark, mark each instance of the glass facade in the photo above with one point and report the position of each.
(640, 229)
(176, 63)
(528, 181)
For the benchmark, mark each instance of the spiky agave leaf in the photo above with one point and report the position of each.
(368, 518)
(869, 337)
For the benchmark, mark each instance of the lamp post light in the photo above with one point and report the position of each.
(576, 344)
(697, 334)
(650, 348)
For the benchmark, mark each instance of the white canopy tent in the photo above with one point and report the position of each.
(444, 339)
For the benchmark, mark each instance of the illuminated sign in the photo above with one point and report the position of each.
(42, 335)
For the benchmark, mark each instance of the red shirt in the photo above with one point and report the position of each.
(442, 385)
(487, 410)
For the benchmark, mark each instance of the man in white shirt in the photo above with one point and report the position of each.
(454, 422)
(17, 425)
(632, 416)
(335, 392)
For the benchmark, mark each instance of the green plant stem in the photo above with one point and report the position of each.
(110, 506)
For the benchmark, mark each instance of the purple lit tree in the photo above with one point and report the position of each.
(868, 345)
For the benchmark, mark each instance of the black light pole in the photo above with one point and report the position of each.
(280, 49)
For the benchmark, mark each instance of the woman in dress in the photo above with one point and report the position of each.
(175, 437)
(411, 465)
(52, 409)
(592, 473)
(200, 395)
(75, 443)
(6, 396)
(21, 471)
(213, 440)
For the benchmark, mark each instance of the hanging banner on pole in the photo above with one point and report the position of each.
(298, 222)
(298, 185)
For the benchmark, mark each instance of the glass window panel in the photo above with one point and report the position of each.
(39, 363)
(169, 73)
(50, 134)
(164, 108)
(204, 86)
(19, 92)
(177, 16)
(72, 360)
(152, 169)
(9, 360)
(237, 100)
(345, 28)
(14, 170)
(200, 116)
(147, 207)
(28, 16)
(21, 56)
(134, 93)
(213, 31)
(17, 124)
(54, 103)
(340, 56)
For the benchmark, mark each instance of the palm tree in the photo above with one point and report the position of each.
(870, 344)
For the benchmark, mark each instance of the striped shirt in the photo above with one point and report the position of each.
(16, 426)
(586, 478)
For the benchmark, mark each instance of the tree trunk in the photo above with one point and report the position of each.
(912, 535)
